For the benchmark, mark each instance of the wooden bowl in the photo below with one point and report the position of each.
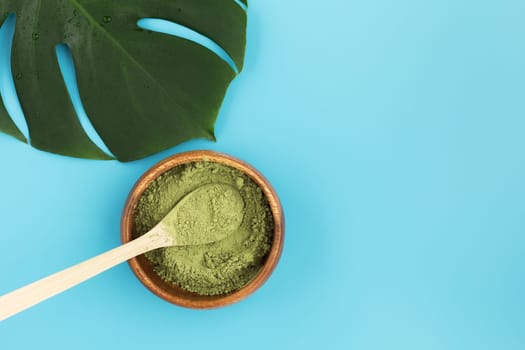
(143, 269)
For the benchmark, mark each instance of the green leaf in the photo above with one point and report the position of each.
(143, 91)
(7, 126)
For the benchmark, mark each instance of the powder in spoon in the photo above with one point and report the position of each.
(209, 214)
(215, 268)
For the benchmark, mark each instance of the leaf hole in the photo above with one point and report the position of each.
(7, 76)
(175, 29)
(241, 4)
(67, 68)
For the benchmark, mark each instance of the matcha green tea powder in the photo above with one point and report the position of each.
(219, 267)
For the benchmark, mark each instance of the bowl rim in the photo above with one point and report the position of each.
(193, 300)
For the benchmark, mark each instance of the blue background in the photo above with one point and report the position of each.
(393, 132)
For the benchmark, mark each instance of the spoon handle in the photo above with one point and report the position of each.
(34, 293)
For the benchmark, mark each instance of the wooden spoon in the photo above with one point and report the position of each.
(208, 214)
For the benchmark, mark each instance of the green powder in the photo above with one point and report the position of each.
(215, 268)
(209, 214)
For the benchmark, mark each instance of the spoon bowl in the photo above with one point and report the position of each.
(208, 214)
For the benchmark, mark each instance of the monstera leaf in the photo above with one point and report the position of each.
(143, 91)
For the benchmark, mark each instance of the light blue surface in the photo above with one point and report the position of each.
(393, 132)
